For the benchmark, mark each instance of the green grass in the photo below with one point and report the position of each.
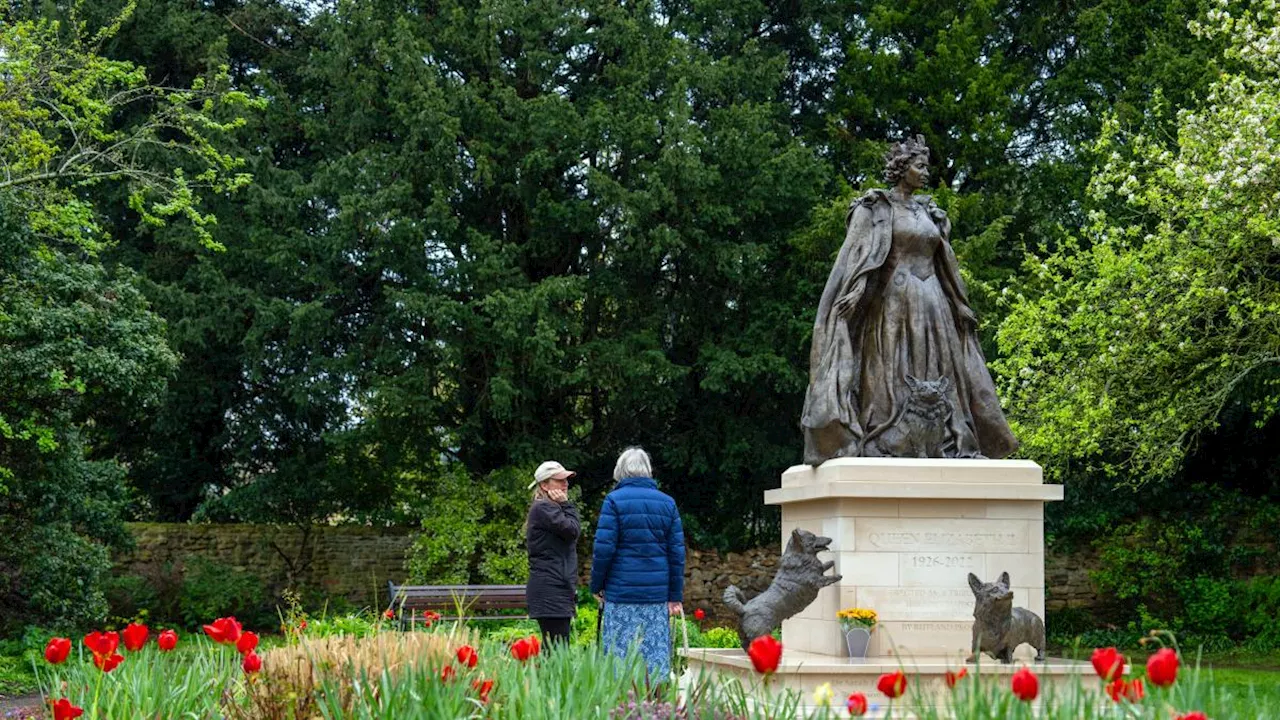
(1249, 688)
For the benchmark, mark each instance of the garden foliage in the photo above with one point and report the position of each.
(1133, 338)
(493, 233)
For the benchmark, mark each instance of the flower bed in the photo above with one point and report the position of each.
(449, 671)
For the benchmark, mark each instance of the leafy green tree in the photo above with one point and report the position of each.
(59, 100)
(80, 347)
(77, 343)
(1168, 310)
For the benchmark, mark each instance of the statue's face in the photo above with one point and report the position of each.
(917, 174)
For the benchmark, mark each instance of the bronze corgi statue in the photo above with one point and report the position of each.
(796, 584)
(999, 627)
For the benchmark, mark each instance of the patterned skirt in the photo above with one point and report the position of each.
(644, 627)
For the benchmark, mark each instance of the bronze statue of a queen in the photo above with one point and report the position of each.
(895, 368)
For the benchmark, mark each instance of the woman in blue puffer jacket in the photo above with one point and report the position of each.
(638, 564)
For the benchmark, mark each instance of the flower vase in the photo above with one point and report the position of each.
(857, 639)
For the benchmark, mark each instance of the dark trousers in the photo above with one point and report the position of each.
(554, 630)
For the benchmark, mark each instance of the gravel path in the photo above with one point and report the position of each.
(11, 704)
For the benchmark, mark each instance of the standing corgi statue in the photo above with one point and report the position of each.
(999, 627)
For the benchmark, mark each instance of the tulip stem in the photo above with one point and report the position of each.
(96, 691)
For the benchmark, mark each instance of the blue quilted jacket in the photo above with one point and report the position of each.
(639, 547)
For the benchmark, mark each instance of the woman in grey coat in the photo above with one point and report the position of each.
(551, 536)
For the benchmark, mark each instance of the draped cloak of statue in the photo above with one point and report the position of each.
(901, 325)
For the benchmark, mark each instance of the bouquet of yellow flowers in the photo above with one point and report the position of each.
(857, 618)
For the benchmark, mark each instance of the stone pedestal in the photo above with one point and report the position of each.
(803, 673)
(905, 535)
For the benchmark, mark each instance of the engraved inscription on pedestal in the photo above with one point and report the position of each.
(937, 627)
(945, 536)
(918, 603)
(937, 569)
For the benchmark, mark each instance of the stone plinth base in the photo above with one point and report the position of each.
(805, 672)
(905, 535)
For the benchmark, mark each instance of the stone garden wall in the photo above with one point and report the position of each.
(354, 563)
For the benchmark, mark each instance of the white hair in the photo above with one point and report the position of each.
(633, 462)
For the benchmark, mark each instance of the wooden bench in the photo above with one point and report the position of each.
(408, 602)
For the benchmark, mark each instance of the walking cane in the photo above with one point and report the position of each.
(600, 620)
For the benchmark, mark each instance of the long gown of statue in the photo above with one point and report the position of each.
(911, 319)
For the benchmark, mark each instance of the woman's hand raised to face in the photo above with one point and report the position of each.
(557, 495)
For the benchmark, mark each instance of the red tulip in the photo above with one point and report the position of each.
(224, 630)
(1193, 715)
(1162, 668)
(252, 663)
(1026, 686)
(135, 636)
(699, 614)
(954, 677)
(1120, 689)
(467, 656)
(1115, 689)
(765, 653)
(856, 705)
(107, 663)
(446, 673)
(535, 643)
(247, 643)
(64, 710)
(389, 614)
(100, 643)
(1108, 663)
(57, 650)
(522, 649)
(167, 641)
(892, 684)
(483, 687)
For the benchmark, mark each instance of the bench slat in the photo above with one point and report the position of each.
(409, 599)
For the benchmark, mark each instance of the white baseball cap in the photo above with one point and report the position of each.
(550, 470)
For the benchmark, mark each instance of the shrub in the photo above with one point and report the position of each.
(211, 589)
(1258, 605)
(63, 581)
(1179, 574)
(509, 631)
(585, 623)
(473, 531)
(129, 596)
(347, 624)
(720, 637)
